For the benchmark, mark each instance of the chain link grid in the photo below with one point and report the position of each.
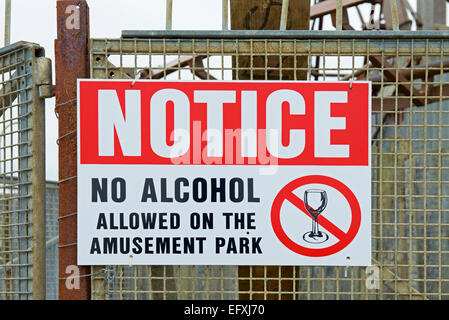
(410, 162)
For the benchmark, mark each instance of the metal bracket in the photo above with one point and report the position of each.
(44, 78)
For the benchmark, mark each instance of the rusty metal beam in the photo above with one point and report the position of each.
(393, 103)
(419, 71)
(393, 76)
(72, 62)
(389, 9)
(327, 7)
(196, 67)
(169, 67)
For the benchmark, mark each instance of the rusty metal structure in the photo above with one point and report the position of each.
(410, 212)
(71, 63)
(410, 82)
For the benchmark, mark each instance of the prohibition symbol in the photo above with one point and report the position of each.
(344, 238)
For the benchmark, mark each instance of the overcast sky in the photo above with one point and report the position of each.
(35, 21)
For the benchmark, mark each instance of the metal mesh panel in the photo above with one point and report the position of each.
(16, 99)
(410, 185)
(52, 236)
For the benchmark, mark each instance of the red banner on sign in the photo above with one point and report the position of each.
(224, 123)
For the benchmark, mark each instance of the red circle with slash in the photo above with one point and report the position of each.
(345, 238)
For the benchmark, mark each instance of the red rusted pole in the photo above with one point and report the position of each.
(71, 63)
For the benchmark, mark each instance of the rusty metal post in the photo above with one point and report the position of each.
(339, 15)
(394, 14)
(284, 14)
(225, 15)
(169, 15)
(71, 63)
(7, 22)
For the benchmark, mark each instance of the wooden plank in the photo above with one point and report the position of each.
(260, 282)
(266, 15)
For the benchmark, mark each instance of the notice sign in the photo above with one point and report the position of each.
(224, 173)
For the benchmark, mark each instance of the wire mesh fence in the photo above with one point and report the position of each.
(17, 163)
(410, 144)
(52, 237)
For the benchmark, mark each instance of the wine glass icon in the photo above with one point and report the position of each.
(315, 201)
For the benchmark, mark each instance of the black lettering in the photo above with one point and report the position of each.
(227, 216)
(99, 191)
(184, 197)
(251, 197)
(239, 221)
(149, 191)
(201, 244)
(219, 243)
(199, 186)
(244, 245)
(162, 245)
(95, 247)
(124, 245)
(163, 221)
(123, 226)
(118, 183)
(149, 245)
(204, 221)
(236, 190)
(256, 245)
(112, 226)
(176, 246)
(134, 221)
(148, 220)
(164, 197)
(251, 220)
(109, 245)
(195, 221)
(137, 245)
(102, 224)
(159, 245)
(221, 190)
(175, 221)
(189, 245)
(208, 220)
(232, 247)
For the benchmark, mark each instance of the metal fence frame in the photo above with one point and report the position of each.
(24, 71)
(410, 224)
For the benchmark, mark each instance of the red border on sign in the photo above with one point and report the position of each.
(344, 238)
(356, 113)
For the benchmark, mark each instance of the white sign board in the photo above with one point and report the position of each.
(224, 173)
